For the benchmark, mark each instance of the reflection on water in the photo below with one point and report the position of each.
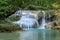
(29, 36)
(32, 35)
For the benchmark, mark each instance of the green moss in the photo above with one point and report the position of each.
(14, 18)
(9, 7)
(9, 27)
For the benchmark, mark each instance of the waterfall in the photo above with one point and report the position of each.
(28, 23)
(28, 20)
(42, 25)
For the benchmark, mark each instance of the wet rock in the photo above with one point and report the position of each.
(53, 26)
(13, 18)
(18, 12)
(48, 26)
(50, 15)
(57, 28)
(36, 14)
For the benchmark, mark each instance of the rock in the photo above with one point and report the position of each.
(51, 25)
(48, 26)
(50, 15)
(18, 12)
(36, 14)
(13, 18)
(57, 27)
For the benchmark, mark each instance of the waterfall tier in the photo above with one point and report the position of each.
(29, 19)
(42, 24)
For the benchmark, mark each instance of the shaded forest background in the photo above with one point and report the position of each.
(8, 7)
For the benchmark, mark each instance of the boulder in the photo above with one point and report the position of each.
(48, 26)
(57, 27)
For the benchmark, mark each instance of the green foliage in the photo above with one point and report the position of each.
(7, 7)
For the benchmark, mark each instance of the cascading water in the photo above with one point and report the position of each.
(27, 23)
(42, 24)
(29, 19)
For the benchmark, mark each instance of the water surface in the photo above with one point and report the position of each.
(36, 34)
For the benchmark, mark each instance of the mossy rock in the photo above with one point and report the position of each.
(9, 27)
(14, 18)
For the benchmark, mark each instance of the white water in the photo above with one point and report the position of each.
(29, 20)
(28, 23)
(42, 25)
